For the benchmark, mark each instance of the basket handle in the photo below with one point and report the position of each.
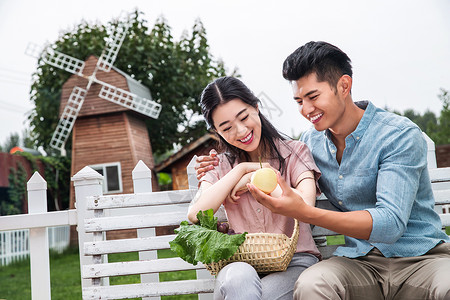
(296, 228)
(295, 232)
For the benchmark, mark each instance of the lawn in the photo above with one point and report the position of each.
(65, 277)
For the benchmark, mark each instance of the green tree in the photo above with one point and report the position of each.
(440, 133)
(175, 72)
(11, 141)
(14, 140)
(16, 193)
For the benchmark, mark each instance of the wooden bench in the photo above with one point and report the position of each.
(144, 210)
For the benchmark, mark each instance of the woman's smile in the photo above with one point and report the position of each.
(248, 139)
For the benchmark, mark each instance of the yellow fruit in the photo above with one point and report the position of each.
(277, 192)
(265, 179)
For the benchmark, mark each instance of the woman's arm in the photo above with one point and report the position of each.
(306, 187)
(240, 188)
(212, 196)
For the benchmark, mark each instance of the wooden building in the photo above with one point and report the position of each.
(106, 136)
(176, 166)
(10, 162)
(177, 163)
(443, 156)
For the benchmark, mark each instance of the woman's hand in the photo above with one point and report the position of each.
(206, 163)
(240, 188)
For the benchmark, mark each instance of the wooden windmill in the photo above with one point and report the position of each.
(111, 136)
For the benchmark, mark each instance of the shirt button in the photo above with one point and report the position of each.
(332, 151)
(258, 210)
(340, 203)
(357, 137)
(340, 176)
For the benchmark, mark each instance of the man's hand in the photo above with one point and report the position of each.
(206, 163)
(289, 204)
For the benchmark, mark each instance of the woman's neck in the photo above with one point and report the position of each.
(255, 156)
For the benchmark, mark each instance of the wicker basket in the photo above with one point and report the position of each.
(266, 252)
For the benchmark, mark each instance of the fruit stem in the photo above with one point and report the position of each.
(260, 163)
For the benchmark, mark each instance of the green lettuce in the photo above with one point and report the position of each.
(203, 242)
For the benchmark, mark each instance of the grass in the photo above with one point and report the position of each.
(335, 240)
(65, 278)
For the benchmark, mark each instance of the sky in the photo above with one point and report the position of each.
(400, 50)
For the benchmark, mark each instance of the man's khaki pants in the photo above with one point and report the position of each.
(376, 277)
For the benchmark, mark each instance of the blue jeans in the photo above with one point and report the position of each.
(239, 280)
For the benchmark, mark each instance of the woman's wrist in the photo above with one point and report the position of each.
(242, 169)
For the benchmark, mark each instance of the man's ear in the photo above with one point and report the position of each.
(344, 85)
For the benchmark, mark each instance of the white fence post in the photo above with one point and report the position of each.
(142, 183)
(87, 182)
(431, 154)
(39, 252)
(193, 184)
(192, 176)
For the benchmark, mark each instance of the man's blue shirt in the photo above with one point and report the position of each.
(383, 170)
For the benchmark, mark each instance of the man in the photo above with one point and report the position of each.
(374, 170)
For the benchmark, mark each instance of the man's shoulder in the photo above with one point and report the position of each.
(391, 131)
(311, 134)
(393, 121)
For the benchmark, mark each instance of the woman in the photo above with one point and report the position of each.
(247, 137)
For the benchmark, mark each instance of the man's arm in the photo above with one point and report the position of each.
(357, 224)
(402, 164)
(400, 169)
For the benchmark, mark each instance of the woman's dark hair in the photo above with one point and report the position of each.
(327, 61)
(227, 88)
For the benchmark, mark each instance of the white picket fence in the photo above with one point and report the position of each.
(14, 244)
(87, 183)
(38, 220)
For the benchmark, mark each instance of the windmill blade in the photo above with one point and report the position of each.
(129, 100)
(63, 61)
(68, 118)
(113, 45)
(33, 50)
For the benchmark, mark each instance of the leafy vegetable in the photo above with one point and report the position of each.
(206, 219)
(203, 242)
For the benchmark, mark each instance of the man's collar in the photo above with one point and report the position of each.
(369, 113)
